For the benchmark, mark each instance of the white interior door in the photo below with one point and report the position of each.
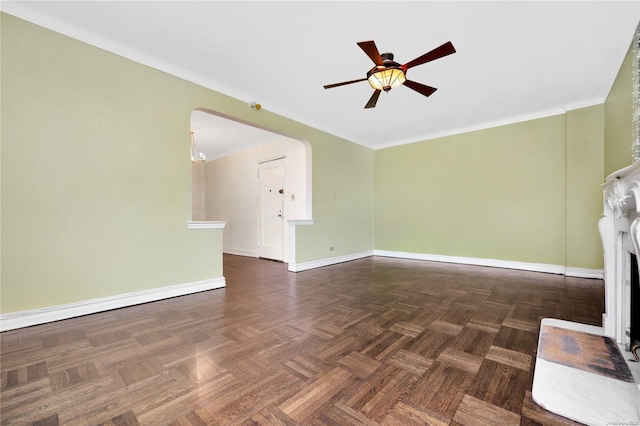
(271, 209)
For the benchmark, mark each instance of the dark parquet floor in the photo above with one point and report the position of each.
(373, 341)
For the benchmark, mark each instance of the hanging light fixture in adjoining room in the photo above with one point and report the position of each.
(196, 157)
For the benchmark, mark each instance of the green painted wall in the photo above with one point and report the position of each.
(96, 175)
(618, 120)
(342, 202)
(585, 174)
(524, 192)
(496, 194)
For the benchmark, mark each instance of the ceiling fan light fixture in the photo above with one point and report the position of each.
(388, 74)
(386, 79)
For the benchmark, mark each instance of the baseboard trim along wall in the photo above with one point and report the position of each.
(584, 273)
(312, 264)
(507, 264)
(495, 263)
(31, 317)
(240, 252)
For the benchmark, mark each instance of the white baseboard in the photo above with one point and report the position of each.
(240, 252)
(584, 273)
(312, 264)
(31, 317)
(496, 263)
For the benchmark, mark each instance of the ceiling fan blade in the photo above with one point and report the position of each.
(329, 86)
(373, 99)
(371, 50)
(420, 88)
(438, 52)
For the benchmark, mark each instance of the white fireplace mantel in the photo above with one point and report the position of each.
(580, 395)
(620, 234)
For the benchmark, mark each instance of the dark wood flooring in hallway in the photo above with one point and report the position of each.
(372, 341)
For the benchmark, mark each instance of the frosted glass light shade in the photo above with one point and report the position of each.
(387, 79)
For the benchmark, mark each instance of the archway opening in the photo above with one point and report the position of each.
(227, 186)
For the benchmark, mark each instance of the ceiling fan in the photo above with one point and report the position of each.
(388, 74)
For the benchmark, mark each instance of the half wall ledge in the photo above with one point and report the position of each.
(192, 224)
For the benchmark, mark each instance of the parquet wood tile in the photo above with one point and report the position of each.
(411, 362)
(463, 360)
(270, 415)
(125, 419)
(405, 413)
(260, 394)
(360, 365)
(383, 398)
(515, 339)
(385, 344)
(441, 388)
(312, 398)
(473, 411)
(341, 414)
(500, 385)
(406, 328)
(473, 341)
(137, 371)
(368, 342)
(430, 344)
(47, 421)
(306, 367)
(511, 358)
(445, 327)
(363, 391)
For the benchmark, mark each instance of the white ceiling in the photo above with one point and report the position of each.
(216, 136)
(515, 60)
